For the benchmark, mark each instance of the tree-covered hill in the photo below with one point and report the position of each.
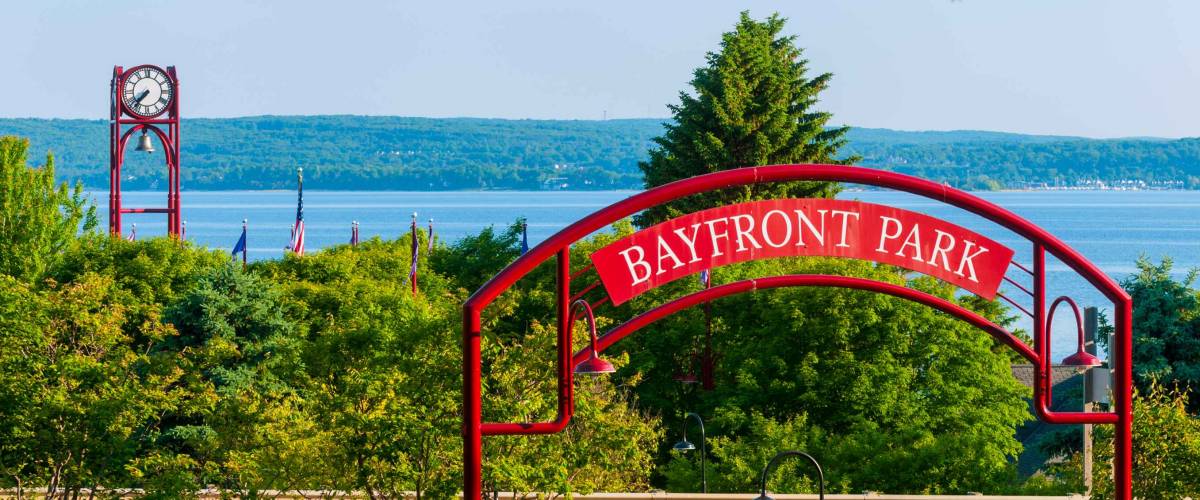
(382, 152)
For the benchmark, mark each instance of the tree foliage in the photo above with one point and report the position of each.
(1166, 328)
(38, 219)
(753, 104)
(1166, 447)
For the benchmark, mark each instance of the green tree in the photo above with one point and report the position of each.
(1166, 447)
(1166, 328)
(84, 400)
(753, 104)
(37, 219)
(383, 372)
(240, 419)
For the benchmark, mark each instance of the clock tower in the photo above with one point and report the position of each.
(145, 102)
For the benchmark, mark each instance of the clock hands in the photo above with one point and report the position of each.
(138, 98)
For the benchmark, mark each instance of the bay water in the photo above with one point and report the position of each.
(1110, 228)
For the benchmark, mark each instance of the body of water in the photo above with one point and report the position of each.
(1110, 228)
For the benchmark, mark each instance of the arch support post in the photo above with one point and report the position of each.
(1123, 433)
(472, 430)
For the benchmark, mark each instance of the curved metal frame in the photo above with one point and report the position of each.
(1081, 358)
(559, 245)
(703, 447)
(762, 480)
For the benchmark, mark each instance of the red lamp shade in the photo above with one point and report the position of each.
(594, 365)
(1081, 358)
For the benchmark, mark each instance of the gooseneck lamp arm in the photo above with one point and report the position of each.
(703, 448)
(593, 364)
(762, 480)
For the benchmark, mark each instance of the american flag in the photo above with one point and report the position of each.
(416, 250)
(298, 230)
(132, 232)
(354, 233)
(705, 278)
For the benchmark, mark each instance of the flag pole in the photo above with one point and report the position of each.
(415, 246)
(707, 381)
(429, 247)
(244, 245)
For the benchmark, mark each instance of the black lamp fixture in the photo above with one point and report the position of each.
(685, 446)
(762, 480)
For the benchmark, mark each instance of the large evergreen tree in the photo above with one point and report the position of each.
(753, 104)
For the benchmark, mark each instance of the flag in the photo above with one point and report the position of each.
(354, 233)
(240, 246)
(524, 238)
(416, 250)
(298, 229)
(183, 230)
(132, 233)
(705, 278)
(430, 247)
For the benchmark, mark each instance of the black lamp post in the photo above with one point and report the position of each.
(684, 446)
(762, 481)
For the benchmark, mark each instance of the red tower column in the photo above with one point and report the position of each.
(146, 107)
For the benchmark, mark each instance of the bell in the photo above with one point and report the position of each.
(144, 143)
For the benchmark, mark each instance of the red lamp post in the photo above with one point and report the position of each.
(593, 364)
(1081, 356)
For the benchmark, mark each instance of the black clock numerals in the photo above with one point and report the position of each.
(147, 92)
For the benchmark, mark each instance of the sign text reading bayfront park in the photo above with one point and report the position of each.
(800, 227)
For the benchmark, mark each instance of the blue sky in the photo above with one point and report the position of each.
(1094, 68)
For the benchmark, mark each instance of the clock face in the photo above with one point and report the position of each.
(147, 91)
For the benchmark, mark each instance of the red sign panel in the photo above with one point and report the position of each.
(800, 227)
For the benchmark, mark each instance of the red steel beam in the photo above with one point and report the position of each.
(809, 280)
(145, 210)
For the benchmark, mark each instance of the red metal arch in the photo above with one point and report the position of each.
(559, 245)
(162, 137)
(808, 280)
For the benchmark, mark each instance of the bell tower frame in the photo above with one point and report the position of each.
(123, 124)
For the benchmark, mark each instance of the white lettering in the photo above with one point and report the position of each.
(766, 235)
(690, 242)
(803, 220)
(939, 249)
(665, 252)
(968, 260)
(714, 235)
(884, 235)
(634, 265)
(845, 222)
(743, 233)
(913, 240)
